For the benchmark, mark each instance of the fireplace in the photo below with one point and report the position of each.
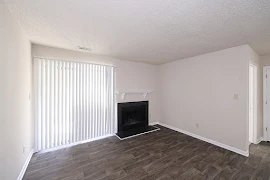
(132, 115)
(133, 119)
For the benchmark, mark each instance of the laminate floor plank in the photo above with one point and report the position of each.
(160, 155)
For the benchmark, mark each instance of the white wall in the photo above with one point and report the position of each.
(16, 84)
(129, 75)
(201, 90)
(265, 60)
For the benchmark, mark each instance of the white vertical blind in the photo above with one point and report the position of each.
(73, 102)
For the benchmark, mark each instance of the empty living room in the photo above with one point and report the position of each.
(134, 90)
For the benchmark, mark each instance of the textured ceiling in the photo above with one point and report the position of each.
(152, 31)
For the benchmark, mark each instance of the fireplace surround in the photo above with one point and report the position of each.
(133, 119)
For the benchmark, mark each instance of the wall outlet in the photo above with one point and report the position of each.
(235, 96)
(29, 96)
(197, 125)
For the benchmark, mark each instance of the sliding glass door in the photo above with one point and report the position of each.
(73, 102)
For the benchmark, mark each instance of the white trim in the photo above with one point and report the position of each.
(73, 144)
(255, 103)
(247, 105)
(89, 140)
(25, 164)
(244, 153)
(137, 134)
(259, 140)
(115, 101)
(255, 119)
(264, 104)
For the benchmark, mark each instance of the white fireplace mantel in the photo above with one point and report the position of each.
(124, 93)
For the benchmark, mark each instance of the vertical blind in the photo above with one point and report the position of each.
(73, 102)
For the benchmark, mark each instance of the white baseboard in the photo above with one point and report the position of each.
(81, 142)
(25, 164)
(73, 144)
(236, 150)
(259, 140)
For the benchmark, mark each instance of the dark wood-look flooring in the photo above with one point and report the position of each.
(161, 155)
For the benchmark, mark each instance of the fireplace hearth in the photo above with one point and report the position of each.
(133, 119)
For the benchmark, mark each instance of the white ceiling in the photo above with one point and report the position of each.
(152, 31)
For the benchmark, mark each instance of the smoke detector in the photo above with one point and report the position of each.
(84, 48)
